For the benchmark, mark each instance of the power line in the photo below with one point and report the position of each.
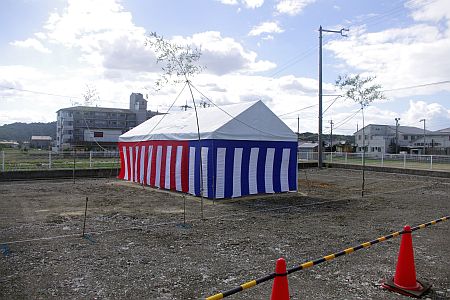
(370, 21)
(347, 119)
(304, 108)
(38, 92)
(411, 86)
(335, 99)
(397, 10)
(418, 86)
(294, 60)
(164, 114)
(49, 94)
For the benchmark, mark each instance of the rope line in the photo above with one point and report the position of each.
(162, 118)
(222, 217)
(323, 259)
(230, 115)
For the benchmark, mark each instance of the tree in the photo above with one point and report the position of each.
(204, 103)
(179, 62)
(90, 95)
(362, 91)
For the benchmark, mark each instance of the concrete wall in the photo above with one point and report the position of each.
(393, 170)
(57, 174)
(105, 173)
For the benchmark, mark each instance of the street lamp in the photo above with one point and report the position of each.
(423, 120)
(320, 88)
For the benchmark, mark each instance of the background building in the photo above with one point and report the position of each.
(98, 128)
(435, 142)
(383, 139)
(9, 144)
(41, 142)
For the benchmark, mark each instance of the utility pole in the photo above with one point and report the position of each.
(423, 120)
(185, 106)
(320, 88)
(396, 134)
(298, 127)
(331, 136)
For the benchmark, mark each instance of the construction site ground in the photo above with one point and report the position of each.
(139, 244)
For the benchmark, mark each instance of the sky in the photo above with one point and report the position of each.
(54, 51)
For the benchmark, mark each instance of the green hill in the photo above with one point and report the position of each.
(22, 132)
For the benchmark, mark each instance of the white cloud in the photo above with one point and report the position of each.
(253, 3)
(108, 40)
(228, 2)
(86, 23)
(247, 3)
(112, 57)
(128, 53)
(399, 57)
(436, 116)
(26, 106)
(292, 84)
(222, 55)
(33, 44)
(265, 27)
(292, 7)
(424, 10)
(268, 37)
(94, 28)
(8, 87)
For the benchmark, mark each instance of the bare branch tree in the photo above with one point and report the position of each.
(179, 62)
(90, 95)
(362, 91)
(204, 103)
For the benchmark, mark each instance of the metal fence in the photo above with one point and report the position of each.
(406, 161)
(20, 160)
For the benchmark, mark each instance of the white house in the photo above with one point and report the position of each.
(383, 139)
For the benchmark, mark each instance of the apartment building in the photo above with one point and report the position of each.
(98, 128)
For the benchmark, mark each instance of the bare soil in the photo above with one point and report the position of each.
(138, 247)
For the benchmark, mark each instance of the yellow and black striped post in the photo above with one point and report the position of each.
(329, 257)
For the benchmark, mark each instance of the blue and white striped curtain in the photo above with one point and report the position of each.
(237, 168)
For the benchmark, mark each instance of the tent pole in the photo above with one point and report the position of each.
(198, 133)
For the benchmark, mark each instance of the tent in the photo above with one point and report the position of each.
(243, 149)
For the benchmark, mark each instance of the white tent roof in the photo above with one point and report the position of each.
(243, 121)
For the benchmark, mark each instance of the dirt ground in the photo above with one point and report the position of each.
(138, 248)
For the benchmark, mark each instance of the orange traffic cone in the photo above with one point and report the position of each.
(280, 288)
(405, 281)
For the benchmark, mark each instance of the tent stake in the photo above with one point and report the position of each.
(184, 210)
(73, 170)
(85, 212)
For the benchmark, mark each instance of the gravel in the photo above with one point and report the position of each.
(137, 244)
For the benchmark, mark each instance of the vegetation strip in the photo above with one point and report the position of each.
(329, 257)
